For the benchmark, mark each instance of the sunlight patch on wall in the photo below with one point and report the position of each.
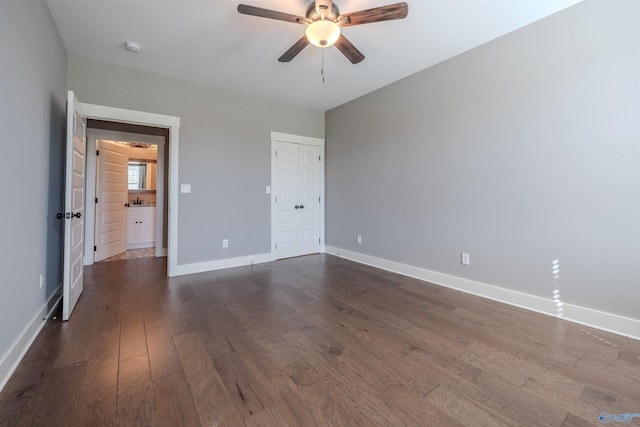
(555, 271)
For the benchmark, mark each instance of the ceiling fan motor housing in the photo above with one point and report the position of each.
(313, 15)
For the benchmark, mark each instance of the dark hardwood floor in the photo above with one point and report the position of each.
(311, 341)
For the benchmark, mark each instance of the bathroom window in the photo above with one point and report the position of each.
(137, 175)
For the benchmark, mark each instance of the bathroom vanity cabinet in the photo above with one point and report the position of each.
(141, 227)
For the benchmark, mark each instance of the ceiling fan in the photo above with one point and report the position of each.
(323, 21)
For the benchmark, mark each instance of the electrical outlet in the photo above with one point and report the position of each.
(41, 280)
(359, 240)
(465, 258)
(225, 243)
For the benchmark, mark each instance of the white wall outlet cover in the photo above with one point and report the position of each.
(185, 188)
(465, 258)
(268, 190)
(225, 243)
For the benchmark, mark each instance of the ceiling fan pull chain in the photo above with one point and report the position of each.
(322, 63)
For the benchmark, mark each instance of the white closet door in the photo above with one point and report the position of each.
(296, 192)
(309, 196)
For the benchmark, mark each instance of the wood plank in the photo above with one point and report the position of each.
(356, 375)
(622, 381)
(503, 365)
(244, 389)
(185, 317)
(328, 404)
(631, 357)
(51, 407)
(210, 396)
(462, 409)
(78, 340)
(413, 409)
(136, 402)
(514, 405)
(574, 421)
(561, 392)
(174, 401)
(492, 397)
(131, 320)
(266, 418)
(163, 357)
(132, 346)
(606, 402)
(98, 395)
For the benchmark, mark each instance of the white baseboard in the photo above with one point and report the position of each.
(13, 357)
(140, 246)
(201, 267)
(577, 314)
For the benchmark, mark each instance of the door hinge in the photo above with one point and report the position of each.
(276, 199)
(95, 248)
(318, 199)
(276, 153)
(276, 246)
(318, 158)
(97, 152)
(318, 240)
(96, 200)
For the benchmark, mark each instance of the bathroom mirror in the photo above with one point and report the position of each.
(142, 174)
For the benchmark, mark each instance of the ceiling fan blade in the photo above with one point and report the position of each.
(377, 14)
(294, 50)
(349, 50)
(271, 14)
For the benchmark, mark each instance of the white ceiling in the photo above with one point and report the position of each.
(209, 42)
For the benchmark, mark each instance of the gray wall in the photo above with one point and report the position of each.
(520, 152)
(32, 124)
(224, 151)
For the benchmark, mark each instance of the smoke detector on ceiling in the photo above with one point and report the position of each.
(132, 47)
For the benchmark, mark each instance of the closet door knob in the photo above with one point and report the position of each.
(297, 206)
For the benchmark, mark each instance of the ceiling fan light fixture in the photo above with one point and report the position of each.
(323, 33)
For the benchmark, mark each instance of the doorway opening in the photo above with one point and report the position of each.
(127, 191)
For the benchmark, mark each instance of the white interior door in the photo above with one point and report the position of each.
(296, 189)
(74, 205)
(111, 192)
(309, 196)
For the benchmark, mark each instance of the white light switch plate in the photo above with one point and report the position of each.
(268, 190)
(185, 188)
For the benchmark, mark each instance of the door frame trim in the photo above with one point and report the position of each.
(102, 112)
(301, 140)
